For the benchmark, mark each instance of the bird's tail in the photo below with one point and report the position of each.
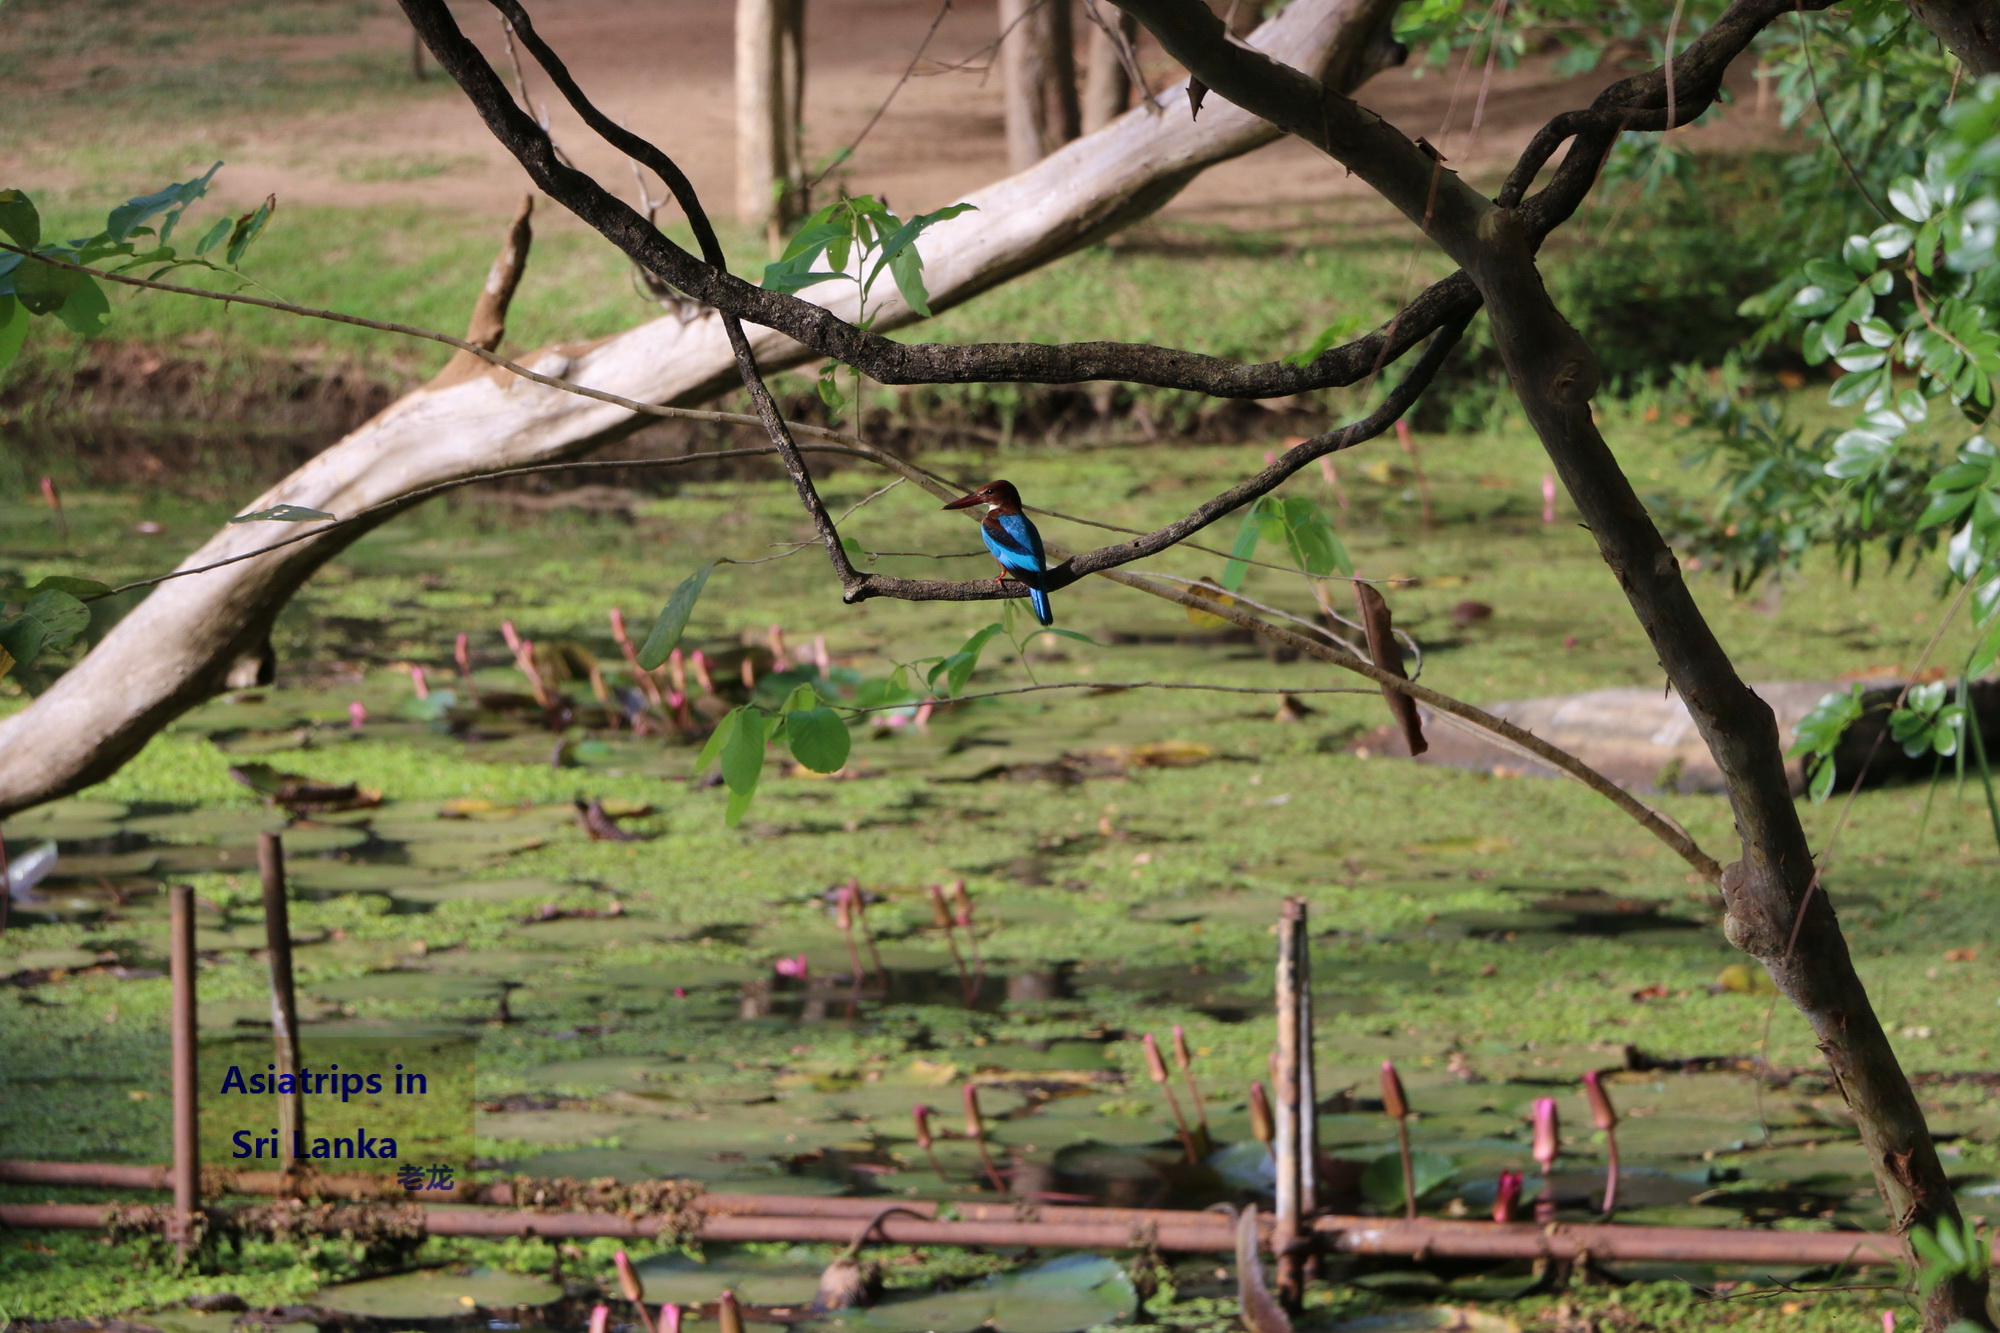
(1040, 601)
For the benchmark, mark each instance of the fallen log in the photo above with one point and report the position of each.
(1187, 1232)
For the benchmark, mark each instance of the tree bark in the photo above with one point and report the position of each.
(770, 105)
(1107, 86)
(174, 650)
(1776, 909)
(1038, 78)
(1970, 30)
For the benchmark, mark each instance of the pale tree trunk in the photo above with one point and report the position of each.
(770, 114)
(1107, 85)
(1038, 78)
(175, 649)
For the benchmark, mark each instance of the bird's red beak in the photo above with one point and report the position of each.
(966, 502)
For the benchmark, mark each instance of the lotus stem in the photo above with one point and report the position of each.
(1262, 1125)
(942, 915)
(975, 1129)
(922, 1115)
(1156, 1069)
(643, 677)
(1185, 1062)
(1605, 1116)
(1398, 1106)
(461, 649)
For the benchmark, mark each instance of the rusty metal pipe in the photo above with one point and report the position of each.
(1190, 1233)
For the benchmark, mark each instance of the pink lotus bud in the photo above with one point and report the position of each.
(357, 713)
(821, 657)
(780, 660)
(1548, 1133)
(628, 1278)
(1602, 1113)
(50, 494)
(600, 1318)
(418, 683)
(676, 699)
(791, 967)
(843, 918)
(922, 1115)
(1548, 497)
(1327, 471)
(1156, 1068)
(922, 717)
(680, 992)
(618, 627)
(670, 1318)
(698, 664)
(964, 900)
(512, 637)
(1270, 457)
(1393, 1100)
(1403, 433)
(461, 648)
(1508, 1197)
(940, 914)
(1182, 1059)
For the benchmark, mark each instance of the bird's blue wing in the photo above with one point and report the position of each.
(1015, 544)
(1018, 547)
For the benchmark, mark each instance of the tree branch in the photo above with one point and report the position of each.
(880, 358)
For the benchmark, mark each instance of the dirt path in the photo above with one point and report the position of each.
(664, 66)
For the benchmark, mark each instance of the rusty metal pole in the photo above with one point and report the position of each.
(1287, 1234)
(187, 1145)
(284, 997)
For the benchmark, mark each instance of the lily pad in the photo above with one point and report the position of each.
(790, 1278)
(1075, 1292)
(436, 1293)
(487, 891)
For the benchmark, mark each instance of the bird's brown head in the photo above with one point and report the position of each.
(1000, 494)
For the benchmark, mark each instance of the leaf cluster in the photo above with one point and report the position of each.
(138, 234)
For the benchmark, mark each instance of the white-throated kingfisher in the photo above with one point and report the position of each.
(1013, 541)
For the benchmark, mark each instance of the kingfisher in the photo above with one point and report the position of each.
(1013, 541)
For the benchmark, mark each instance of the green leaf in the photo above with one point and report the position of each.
(672, 623)
(51, 620)
(717, 739)
(1063, 634)
(75, 587)
(743, 753)
(127, 216)
(1239, 554)
(43, 288)
(14, 319)
(19, 219)
(213, 237)
(282, 514)
(1329, 337)
(737, 807)
(247, 229)
(1382, 1179)
(87, 310)
(1310, 538)
(818, 738)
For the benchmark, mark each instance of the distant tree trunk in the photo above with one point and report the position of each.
(1107, 86)
(770, 114)
(1038, 75)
